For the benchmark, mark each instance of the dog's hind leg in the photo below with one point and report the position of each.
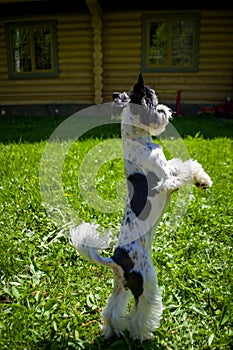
(146, 313)
(114, 313)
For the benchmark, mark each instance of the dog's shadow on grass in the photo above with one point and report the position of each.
(99, 343)
(122, 343)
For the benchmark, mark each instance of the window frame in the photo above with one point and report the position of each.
(53, 72)
(147, 19)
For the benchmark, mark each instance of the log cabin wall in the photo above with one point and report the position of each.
(87, 76)
(122, 43)
(210, 85)
(75, 62)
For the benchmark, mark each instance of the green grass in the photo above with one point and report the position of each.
(50, 298)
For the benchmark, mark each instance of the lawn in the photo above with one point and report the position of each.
(51, 298)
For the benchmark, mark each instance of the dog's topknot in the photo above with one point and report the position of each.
(143, 95)
(138, 91)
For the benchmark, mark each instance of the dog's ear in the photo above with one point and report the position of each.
(120, 101)
(138, 91)
(115, 95)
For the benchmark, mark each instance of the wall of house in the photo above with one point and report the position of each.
(210, 85)
(121, 45)
(75, 61)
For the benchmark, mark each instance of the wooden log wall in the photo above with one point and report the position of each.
(210, 85)
(95, 61)
(75, 61)
(96, 22)
(121, 51)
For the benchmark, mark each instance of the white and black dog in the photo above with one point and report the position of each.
(151, 179)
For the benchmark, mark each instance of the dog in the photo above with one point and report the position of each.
(151, 180)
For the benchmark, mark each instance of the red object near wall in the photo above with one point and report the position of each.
(206, 110)
(178, 101)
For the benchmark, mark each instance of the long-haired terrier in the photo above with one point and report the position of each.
(151, 180)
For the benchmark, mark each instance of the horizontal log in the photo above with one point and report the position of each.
(217, 46)
(123, 68)
(118, 47)
(118, 59)
(72, 27)
(40, 83)
(72, 35)
(39, 17)
(124, 53)
(76, 68)
(174, 77)
(215, 59)
(76, 48)
(69, 89)
(121, 16)
(82, 40)
(213, 52)
(227, 22)
(205, 66)
(78, 61)
(192, 76)
(35, 100)
(207, 29)
(213, 14)
(80, 56)
(216, 37)
(73, 75)
(122, 30)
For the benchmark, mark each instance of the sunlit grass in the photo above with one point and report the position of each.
(50, 298)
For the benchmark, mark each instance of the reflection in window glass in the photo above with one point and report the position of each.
(158, 43)
(31, 49)
(182, 43)
(170, 42)
(42, 46)
(21, 53)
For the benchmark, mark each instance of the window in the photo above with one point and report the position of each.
(31, 49)
(170, 42)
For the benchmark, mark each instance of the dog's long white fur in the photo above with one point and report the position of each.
(144, 317)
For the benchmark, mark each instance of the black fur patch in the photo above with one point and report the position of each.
(140, 187)
(121, 257)
(134, 279)
(138, 192)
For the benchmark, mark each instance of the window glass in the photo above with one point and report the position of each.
(20, 50)
(170, 42)
(42, 46)
(158, 43)
(31, 49)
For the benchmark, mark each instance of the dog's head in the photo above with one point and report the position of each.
(144, 104)
(143, 95)
(144, 108)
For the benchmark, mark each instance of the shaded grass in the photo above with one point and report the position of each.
(50, 298)
(36, 129)
(206, 126)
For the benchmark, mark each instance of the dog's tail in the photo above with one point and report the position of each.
(86, 239)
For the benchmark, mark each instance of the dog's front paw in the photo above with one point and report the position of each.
(200, 178)
(203, 181)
